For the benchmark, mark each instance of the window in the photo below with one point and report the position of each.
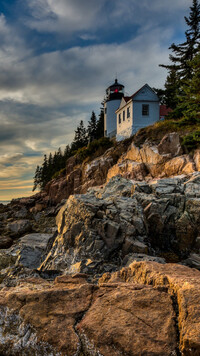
(128, 112)
(119, 118)
(124, 115)
(105, 110)
(145, 110)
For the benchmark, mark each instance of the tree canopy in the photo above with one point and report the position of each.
(180, 70)
(55, 163)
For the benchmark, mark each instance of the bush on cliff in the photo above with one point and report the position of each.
(94, 149)
(191, 141)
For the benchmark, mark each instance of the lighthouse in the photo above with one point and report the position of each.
(114, 94)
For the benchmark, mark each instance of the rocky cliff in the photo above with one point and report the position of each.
(139, 162)
(99, 279)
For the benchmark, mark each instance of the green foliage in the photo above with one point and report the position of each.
(59, 173)
(192, 140)
(80, 138)
(54, 165)
(96, 147)
(180, 70)
(92, 128)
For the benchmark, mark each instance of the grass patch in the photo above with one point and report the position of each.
(156, 132)
(95, 149)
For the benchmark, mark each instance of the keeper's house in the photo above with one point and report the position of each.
(137, 111)
(125, 115)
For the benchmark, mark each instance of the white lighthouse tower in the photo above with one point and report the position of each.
(114, 94)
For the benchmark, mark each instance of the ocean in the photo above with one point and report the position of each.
(4, 202)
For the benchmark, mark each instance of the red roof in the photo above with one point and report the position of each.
(164, 111)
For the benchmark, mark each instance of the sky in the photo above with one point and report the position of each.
(57, 57)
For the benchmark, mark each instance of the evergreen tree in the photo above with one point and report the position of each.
(80, 138)
(67, 152)
(37, 178)
(172, 89)
(92, 128)
(161, 95)
(190, 99)
(44, 172)
(100, 125)
(183, 53)
(180, 70)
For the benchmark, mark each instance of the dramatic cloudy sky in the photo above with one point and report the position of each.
(56, 59)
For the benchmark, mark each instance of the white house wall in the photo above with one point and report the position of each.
(146, 93)
(139, 120)
(127, 124)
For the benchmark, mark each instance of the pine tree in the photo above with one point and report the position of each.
(183, 53)
(180, 70)
(172, 89)
(100, 125)
(67, 152)
(92, 128)
(37, 178)
(190, 100)
(80, 138)
(44, 172)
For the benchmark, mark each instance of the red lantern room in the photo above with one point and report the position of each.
(115, 91)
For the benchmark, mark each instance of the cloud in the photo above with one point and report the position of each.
(63, 16)
(88, 37)
(10, 158)
(71, 17)
(57, 59)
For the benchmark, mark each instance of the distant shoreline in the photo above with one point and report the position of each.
(5, 202)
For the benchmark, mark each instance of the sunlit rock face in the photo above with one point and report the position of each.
(100, 230)
(146, 308)
(128, 160)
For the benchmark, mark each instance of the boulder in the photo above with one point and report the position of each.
(124, 318)
(128, 169)
(192, 186)
(197, 159)
(179, 165)
(147, 154)
(193, 260)
(22, 213)
(39, 318)
(138, 257)
(31, 249)
(150, 155)
(170, 145)
(99, 226)
(182, 283)
(19, 227)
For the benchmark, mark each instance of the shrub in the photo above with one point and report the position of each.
(59, 173)
(94, 149)
(192, 140)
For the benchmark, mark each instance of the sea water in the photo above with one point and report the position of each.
(4, 202)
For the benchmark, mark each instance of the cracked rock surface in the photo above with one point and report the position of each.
(145, 309)
(103, 229)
